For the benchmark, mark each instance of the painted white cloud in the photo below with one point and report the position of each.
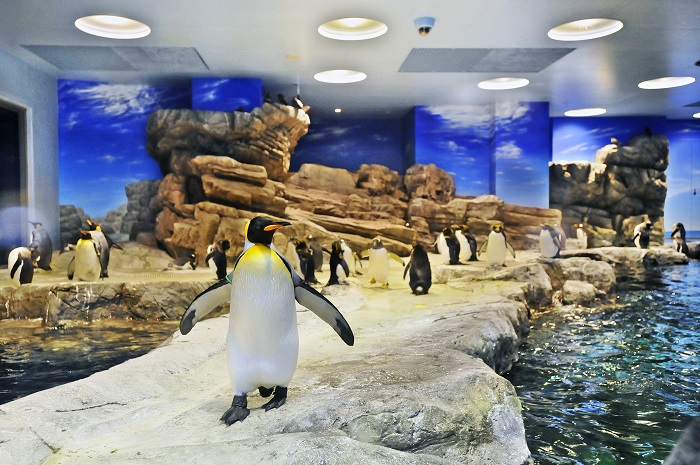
(120, 99)
(476, 117)
(508, 151)
(511, 110)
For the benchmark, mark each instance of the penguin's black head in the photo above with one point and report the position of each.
(262, 228)
(336, 247)
(377, 243)
(447, 232)
(648, 225)
(85, 235)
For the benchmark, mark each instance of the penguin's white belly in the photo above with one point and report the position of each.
(262, 341)
(443, 250)
(379, 265)
(349, 259)
(87, 263)
(496, 249)
(340, 272)
(465, 252)
(547, 246)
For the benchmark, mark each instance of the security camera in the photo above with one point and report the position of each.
(424, 25)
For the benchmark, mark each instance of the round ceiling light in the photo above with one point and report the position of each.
(666, 82)
(112, 27)
(352, 29)
(503, 83)
(585, 29)
(585, 112)
(340, 76)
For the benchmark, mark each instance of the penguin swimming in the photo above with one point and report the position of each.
(86, 264)
(40, 239)
(216, 258)
(581, 236)
(418, 269)
(379, 262)
(467, 244)
(496, 246)
(678, 235)
(20, 262)
(339, 267)
(550, 242)
(106, 243)
(263, 341)
(641, 235)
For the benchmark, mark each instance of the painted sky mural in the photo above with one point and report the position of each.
(102, 140)
(683, 176)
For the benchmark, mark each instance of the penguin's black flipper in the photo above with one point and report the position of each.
(324, 309)
(15, 267)
(71, 269)
(205, 303)
(405, 270)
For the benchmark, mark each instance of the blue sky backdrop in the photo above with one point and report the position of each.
(102, 140)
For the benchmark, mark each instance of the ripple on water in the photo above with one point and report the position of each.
(614, 384)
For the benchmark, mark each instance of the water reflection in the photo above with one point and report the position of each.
(615, 384)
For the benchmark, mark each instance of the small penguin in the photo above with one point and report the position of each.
(467, 244)
(453, 247)
(550, 242)
(316, 251)
(678, 235)
(86, 265)
(292, 256)
(40, 239)
(216, 258)
(641, 236)
(496, 246)
(379, 262)
(581, 235)
(419, 274)
(562, 235)
(20, 262)
(106, 243)
(306, 263)
(339, 268)
(263, 341)
(184, 262)
(351, 257)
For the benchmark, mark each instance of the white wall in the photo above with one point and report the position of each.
(25, 87)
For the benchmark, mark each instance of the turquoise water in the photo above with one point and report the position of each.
(615, 384)
(34, 358)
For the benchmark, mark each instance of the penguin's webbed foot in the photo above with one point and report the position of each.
(265, 392)
(238, 410)
(278, 399)
(372, 281)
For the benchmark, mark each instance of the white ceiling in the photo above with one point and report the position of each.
(251, 38)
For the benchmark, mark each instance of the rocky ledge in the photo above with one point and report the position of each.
(420, 386)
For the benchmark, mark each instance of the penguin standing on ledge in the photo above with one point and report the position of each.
(581, 236)
(339, 267)
(550, 242)
(379, 262)
(453, 247)
(86, 264)
(419, 274)
(467, 244)
(216, 258)
(641, 236)
(263, 341)
(497, 246)
(678, 235)
(40, 239)
(20, 262)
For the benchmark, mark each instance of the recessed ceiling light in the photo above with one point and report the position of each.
(340, 76)
(585, 112)
(585, 29)
(352, 29)
(666, 82)
(503, 83)
(338, 110)
(112, 27)
(696, 115)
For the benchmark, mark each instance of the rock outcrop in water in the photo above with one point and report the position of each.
(624, 187)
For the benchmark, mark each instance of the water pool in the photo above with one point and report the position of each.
(615, 384)
(34, 358)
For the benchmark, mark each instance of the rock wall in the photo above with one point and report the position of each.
(625, 186)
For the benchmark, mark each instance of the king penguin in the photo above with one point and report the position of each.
(339, 267)
(20, 262)
(379, 262)
(550, 242)
(106, 243)
(86, 264)
(419, 274)
(263, 341)
(496, 246)
(678, 236)
(641, 235)
(467, 244)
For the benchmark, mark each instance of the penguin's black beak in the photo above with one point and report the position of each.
(276, 225)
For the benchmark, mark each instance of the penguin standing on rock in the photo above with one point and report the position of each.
(263, 341)
(20, 262)
(550, 242)
(453, 247)
(496, 246)
(642, 233)
(306, 263)
(292, 256)
(467, 244)
(678, 235)
(40, 239)
(106, 243)
(379, 262)
(419, 274)
(351, 257)
(216, 258)
(339, 267)
(442, 248)
(86, 265)
(581, 236)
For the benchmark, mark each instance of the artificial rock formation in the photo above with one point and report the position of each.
(624, 187)
(266, 136)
